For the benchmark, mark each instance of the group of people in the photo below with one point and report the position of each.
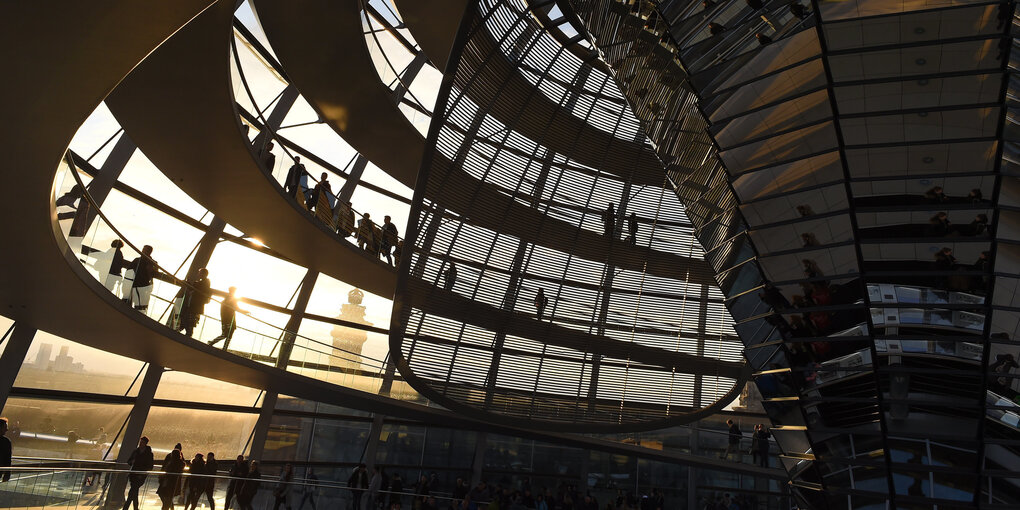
(188, 490)
(382, 241)
(191, 300)
(130, 281)
(727, 502)
(541, 301)
(133, 282)
(759, 443)
(609, 224)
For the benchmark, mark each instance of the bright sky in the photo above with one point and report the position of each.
(256, 275)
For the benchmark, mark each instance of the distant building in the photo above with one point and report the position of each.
(348, 342)
(42, 358)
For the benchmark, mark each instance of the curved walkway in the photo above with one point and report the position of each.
(198, 143)
(340, 81)
(49, 289)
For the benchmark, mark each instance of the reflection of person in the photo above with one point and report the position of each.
(281, 493)
(250, 487)
(1004, 363)
(309, 490)
(935, 194)
(140, 460)
(357, 483)
(238, 470)
(6, 450)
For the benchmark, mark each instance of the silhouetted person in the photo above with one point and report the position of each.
(238, 470)
(173, 466)
(140, 460)
(982, 264)
(228, 318)
(609, 220)
(809, 239)
(632, 228)
(281, 494)
(357, 483)
(935, 194)
(540, 303)
(733, 440)
(345, 223)
(195, 482)
(250, 487)
(805, 210)
(113, 279)
(798, 10)
(944, 260)
(939, 224)
(197, 294)
(449, 277)
(397, 250)
(389, 239)
(6, 451)
(762, 38)
(141, 283)
(708, 4)
(366, 233)
(760, 445)
(323, 188)
(209, 484)
(294, 177)
(974, 195)
(715, 28)
(268, 158)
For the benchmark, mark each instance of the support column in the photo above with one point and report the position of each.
(14, 355)
(358, 169)
(373, 441)
(261, 432)
(275, 119)
(102, 183)
(206, 246)
(479, 461)
(513, 288)
(290, 332)
(133, 432)
(353, 179)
